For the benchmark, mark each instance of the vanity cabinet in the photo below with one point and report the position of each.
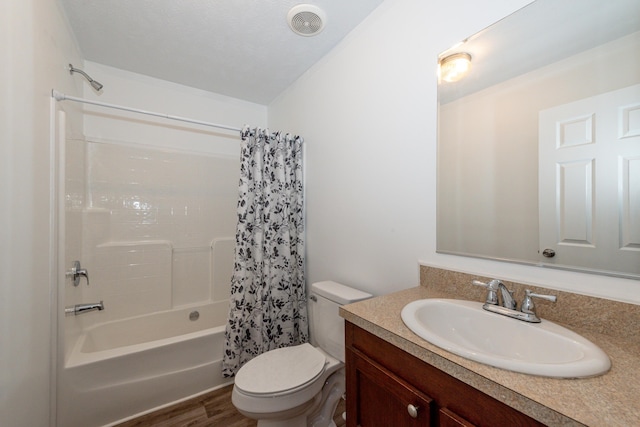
(387, 386)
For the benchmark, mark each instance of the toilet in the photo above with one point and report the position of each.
(300, 386)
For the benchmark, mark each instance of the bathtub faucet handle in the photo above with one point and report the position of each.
(76, 272)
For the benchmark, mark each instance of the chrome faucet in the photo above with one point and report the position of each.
(507, 297)
(76, 272)
(508, 304)
(84, 308)
(529, 307)
(493, 287)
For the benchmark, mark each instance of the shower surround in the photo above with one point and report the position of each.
(155, 228)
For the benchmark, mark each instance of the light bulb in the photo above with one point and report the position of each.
(455, 67)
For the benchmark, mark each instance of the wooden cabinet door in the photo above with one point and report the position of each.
(383, 380)
(450, 419)
(382, 399)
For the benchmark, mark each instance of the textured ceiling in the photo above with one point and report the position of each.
(239, 48)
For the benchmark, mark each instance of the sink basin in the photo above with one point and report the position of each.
(466, 329)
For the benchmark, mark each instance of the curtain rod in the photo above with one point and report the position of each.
(62, 97)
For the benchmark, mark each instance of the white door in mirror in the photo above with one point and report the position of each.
(589, 182)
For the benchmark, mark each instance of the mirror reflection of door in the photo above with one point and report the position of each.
(589, 182)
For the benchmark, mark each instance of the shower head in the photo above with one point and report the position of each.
(95, 84)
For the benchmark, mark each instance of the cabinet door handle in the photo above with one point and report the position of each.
(413, 410)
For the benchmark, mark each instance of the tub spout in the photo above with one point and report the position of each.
(84, 308)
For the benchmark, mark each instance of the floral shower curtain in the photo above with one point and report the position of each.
(268, 303)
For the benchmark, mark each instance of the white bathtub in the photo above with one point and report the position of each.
(124, 368)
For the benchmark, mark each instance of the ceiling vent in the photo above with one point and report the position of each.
(306, 19)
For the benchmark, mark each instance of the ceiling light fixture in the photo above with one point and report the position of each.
(306, 19)
(454, 67)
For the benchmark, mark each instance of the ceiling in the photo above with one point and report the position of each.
(239, 48)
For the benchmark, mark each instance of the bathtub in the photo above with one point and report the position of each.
(121, 369)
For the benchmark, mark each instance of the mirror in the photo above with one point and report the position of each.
(539, 144)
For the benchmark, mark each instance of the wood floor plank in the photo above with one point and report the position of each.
(177, 416)
(213, 409)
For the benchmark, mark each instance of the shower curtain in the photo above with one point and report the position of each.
(268, 303)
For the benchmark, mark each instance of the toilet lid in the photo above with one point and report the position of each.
(277, 371)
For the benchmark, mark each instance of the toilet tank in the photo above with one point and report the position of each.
(325, 324)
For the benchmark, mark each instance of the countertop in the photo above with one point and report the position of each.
(611, 399)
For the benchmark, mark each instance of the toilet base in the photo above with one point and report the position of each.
(294, 417)
(299, 421)
(317, 412)
(332, 392)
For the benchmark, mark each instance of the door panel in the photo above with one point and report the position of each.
(384, 399)
(589, 182)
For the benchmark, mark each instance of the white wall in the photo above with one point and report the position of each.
(36, 48)
(368, 114)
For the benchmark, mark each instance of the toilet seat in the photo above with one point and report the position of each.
(281, 371)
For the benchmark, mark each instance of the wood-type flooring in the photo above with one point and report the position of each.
(210, 409)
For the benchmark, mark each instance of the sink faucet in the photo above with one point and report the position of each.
(507, 297)
(508, 306)
(529, 307)
(493, 287)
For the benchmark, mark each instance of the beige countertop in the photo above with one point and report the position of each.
(612, 399)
